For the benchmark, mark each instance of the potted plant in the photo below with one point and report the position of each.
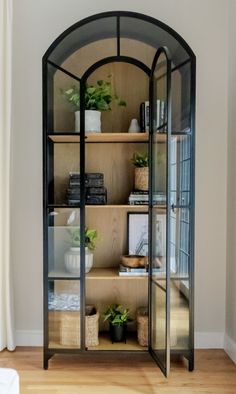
(140, 162)
(98, 98)
(72, 256)
(118, 317)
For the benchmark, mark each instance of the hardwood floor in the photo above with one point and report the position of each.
(214, 373)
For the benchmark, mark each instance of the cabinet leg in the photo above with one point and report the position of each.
(45, 361)
(191, 364)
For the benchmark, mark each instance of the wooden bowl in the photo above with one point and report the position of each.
(134, 261)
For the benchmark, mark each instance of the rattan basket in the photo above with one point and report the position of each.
(141, 178)
(70, 328)
(142, 326)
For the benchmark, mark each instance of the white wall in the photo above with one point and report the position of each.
(203, 24)
(230, 338)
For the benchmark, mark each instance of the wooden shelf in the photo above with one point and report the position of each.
(95, 273)
(102, 137)
(113, 206)
(111, 137)
(110, 273)
(62, 275)
(105, 343)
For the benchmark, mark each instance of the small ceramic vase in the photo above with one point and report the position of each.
(134, 126)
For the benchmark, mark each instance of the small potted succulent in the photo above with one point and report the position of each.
(98, 98)
(140, 162)
(72, 256)
(118, 317)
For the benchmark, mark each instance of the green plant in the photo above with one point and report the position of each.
(97, 97)
(140, 159)
(90, 237)
(116, 315)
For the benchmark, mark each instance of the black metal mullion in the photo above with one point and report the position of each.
(150, 208)
(168, 205)
(45, 219)
(64, 70)
(82, 214)
(110, 59)
(192, 214)
(118, 34)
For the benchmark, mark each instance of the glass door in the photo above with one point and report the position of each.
(160, 208)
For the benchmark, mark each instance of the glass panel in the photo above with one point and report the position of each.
(64, 314)
(63, 174)
(180, 260)
(180, 241)
(137, 29)
(138, 50)
(93, 31)
(60, 110)
(159, 318)
(158, 333)
(181, 102)
(83, 58)
(123, 78)
(64, 243)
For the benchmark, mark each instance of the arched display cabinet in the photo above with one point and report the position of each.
(146, 62)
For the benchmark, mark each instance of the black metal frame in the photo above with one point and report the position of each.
(48, 165)
(163, 50)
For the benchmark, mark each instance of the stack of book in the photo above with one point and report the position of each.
(138, 197)
(95, 192)
(128, 271)
(144, 115)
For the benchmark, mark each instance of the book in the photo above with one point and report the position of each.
(141, 271)
(139, 198)
(142, 117)
(146, 104)
(158, 109)
(123, 268)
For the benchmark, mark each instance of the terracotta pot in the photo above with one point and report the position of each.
(141, 178)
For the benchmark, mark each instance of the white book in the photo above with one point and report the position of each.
(158, 113)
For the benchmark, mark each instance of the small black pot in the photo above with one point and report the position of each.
(118, 333)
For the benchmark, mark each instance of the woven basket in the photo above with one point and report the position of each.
(141, 178)
(70, 328)
(142, 326)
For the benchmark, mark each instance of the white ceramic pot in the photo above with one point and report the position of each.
(92, 121)
(134, 126)
(72, 260)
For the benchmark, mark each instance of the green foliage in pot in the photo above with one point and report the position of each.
(97, 97)
(140, 159)
(90, 237)
(116, 315)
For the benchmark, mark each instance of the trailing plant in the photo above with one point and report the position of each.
(90, 237)
(140, 159)
(97, 97)
(117, 315)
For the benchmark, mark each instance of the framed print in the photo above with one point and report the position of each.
(138, 233)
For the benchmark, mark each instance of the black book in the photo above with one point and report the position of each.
(142, 117)
(96, 190)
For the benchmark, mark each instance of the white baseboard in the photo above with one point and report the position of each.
(209, 340)
(230, 347)
(203, 340)
(29, 338)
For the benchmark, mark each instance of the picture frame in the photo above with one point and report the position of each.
(138, 234)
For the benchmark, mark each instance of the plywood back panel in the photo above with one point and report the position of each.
(112, 159)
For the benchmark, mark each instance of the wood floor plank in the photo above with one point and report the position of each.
(119, 374)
